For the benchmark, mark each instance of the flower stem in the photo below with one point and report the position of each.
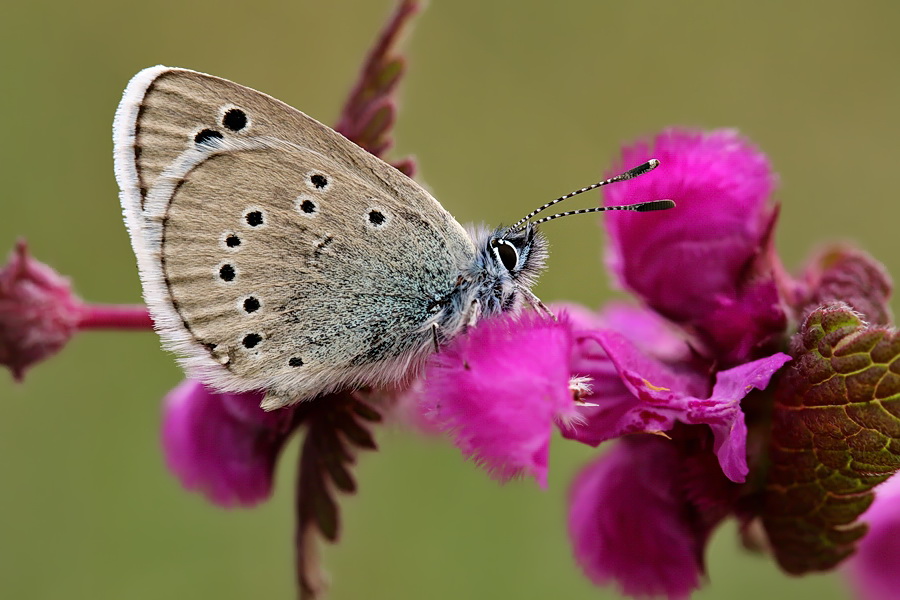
(115, 316)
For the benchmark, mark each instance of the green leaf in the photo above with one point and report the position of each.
(835, 435)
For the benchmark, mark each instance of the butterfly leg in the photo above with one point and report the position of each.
(474, 309)
(434, 337)
(536, 303)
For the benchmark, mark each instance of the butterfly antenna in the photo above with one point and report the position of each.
(629, 174)
(639, 207)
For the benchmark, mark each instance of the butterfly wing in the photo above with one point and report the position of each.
(274, 253)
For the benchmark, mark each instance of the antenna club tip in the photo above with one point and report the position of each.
(653, 163)
(655, 205)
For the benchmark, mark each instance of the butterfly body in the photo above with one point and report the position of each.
(277, 255)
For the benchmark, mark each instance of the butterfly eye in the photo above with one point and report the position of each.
(507, 253)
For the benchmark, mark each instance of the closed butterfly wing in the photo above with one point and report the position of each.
(274, 253)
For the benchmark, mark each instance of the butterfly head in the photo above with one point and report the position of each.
(507, 263)
(517, 255)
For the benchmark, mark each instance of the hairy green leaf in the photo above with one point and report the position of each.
(835, 435)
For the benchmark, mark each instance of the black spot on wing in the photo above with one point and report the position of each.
(376, 218)
(235, 119)
(207, 135)
(226, 273)
(251, 340)
(251, 305)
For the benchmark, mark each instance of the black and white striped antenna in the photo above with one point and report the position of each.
(629, 174)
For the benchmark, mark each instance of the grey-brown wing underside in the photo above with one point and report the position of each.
(274, 253)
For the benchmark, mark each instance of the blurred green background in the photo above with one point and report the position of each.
(506, 105)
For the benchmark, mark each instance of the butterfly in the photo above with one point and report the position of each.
(277, 255)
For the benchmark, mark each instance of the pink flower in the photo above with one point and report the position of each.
(681, 368)
(499, 389)
(223, 445)
(705, 265)
(627, 523)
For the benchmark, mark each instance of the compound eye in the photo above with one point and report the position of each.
(507, 253)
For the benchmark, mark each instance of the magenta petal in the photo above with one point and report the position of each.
(223, 445)
(874, 570)
(498, 390)
(722, 411)
(705, 263)
(654, 395)
(629, 525)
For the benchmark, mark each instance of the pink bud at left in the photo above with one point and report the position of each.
(38, 311)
